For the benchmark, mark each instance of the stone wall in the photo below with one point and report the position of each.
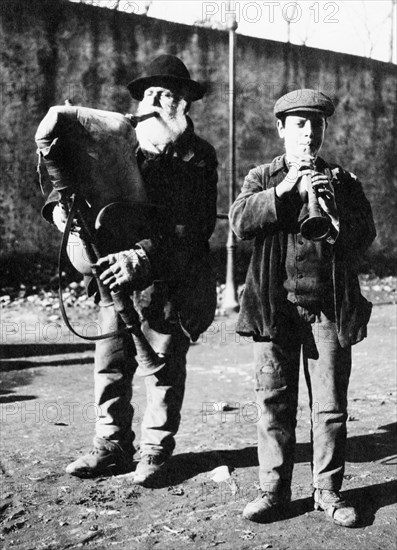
(53, 50)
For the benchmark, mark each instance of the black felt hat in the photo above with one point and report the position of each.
(167, 71)
(304, 100)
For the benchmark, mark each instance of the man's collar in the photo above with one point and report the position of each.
(277, 164)
(280, 163)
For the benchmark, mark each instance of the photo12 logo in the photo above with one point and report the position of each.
(269, 12)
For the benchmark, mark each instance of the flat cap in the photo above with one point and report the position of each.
(304, 100)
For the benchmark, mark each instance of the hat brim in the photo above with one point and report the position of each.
(190, 89)
(326, 112)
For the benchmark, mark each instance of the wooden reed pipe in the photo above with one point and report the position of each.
(136, 119)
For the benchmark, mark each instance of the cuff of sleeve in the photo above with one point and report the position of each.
(278, 199)
(146, 246)
(140, 252)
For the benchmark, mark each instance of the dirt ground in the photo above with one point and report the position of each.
(47, 419)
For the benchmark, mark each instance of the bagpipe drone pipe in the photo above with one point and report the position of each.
(89, 156)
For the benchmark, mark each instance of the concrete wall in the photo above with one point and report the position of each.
(54, 50)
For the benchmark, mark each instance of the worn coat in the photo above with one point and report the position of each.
(258, 214)
(182, 181)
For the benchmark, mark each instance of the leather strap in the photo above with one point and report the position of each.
(62, 255)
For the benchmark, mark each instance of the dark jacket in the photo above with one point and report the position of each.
(183, 181)
(257, 213)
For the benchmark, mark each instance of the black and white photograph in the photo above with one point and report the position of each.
(198, 274)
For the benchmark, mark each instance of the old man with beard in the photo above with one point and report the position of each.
(178, 302)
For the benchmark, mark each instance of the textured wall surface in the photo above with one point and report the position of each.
(53, 50)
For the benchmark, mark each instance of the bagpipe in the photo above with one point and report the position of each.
(89, 156)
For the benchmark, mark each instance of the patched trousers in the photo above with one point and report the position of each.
(327, 369)
(115, 366)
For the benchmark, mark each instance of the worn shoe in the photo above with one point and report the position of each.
(108, 460)
(336, 507)
(149, 468)
(266, 508)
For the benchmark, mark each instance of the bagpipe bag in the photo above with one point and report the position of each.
(92, 153)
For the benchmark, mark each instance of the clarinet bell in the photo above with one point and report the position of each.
(315, 228)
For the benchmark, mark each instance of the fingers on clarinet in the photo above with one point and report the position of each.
(322, 188)
(106, 275)
(102, 262)
(111, 282)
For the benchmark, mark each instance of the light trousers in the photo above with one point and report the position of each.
(115, 366)
(327, 370)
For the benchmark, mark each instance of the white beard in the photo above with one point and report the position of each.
(155, 133)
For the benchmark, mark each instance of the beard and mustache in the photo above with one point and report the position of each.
(155, 133)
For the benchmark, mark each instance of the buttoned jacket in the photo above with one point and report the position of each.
(182, 181)
(259, 214)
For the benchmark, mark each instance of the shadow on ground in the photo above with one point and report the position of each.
(371, 499)
(366, 448)
(9, 366)
(9, 351)
(14, 371)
